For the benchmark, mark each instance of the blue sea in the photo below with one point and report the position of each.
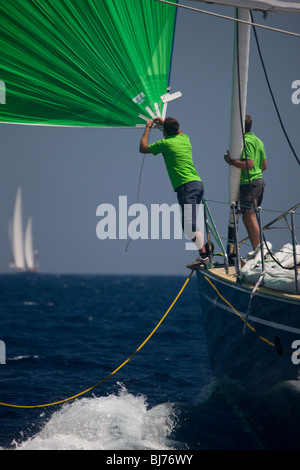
(66, 333)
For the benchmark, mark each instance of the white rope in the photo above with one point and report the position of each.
(230, 18)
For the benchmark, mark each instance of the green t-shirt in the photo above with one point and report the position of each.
(255, 150)
(177, 153)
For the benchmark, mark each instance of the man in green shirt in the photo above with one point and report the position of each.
(252, 163)
(177, 152)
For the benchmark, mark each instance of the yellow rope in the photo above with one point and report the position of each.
(117, 369)
(237, 313)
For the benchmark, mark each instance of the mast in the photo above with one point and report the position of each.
(238, 110)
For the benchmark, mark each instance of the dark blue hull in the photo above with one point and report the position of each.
(265, 353)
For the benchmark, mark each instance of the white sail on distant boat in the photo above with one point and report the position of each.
(24, 257)
(28, 245)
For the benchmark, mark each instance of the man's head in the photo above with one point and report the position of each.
(248, 123)
(171, 126)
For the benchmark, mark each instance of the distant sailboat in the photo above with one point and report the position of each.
(24, 257)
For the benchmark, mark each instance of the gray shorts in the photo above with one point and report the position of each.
(189, 195)
(248, 195)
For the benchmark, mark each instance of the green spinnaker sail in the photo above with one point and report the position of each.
(83, 62)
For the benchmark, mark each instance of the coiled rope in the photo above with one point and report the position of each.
(117, 369)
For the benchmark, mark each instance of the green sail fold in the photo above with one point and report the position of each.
(83, 62)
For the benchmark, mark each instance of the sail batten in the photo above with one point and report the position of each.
(82, 62)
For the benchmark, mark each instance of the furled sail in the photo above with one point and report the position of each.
(84, 62)
(241, 51)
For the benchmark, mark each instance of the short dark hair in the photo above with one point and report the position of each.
(248, 123)
(171, 126)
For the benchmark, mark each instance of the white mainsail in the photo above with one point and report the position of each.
(17, 234)
(28, 245)
(23, 258)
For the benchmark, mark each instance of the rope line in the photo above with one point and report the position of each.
(138, 195)
(272, 94)
(117, 369)
(262, 338)
(238, 314)
(230, 18)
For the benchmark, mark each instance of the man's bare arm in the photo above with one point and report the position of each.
(144, 140)
(242, 164)
(264, 165)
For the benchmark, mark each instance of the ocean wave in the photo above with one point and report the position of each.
(116, 422)
(20, 358)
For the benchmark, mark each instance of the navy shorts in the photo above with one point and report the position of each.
(247, 195)
(189, 195)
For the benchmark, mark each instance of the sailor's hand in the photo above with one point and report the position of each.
(158, 121)
(227, 157)
(149, 124)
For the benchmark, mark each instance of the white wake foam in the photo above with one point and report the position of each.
(115, 422)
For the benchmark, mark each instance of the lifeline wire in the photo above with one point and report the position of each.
(117, 369)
